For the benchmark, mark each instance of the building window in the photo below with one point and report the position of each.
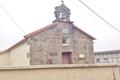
(102, 60)
(109, 55)
(114, 55)
(106, 60)
(114, 60)
(118, 59)
(85, 47)
(65, 41)
(97, 60)
(105, 55)
(110, 60)
(65, 31)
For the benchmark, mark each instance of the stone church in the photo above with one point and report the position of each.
(58, 43)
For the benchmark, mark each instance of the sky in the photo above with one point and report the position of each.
(31, 15)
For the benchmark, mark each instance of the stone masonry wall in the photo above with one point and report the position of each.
(47, 46)
(82, 45)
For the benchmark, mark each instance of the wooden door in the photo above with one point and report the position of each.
(66, 57)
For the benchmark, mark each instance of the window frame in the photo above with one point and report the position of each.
(65, 41)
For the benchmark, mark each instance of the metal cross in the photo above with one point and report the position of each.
(62, 1)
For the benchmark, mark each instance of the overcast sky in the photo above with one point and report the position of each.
(31, 15)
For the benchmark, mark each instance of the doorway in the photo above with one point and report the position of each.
(66, 58)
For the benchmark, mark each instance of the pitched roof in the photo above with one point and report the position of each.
(40, 30)
(53, 25)
(15, 45)
(84, 32)
(29, 35)
(43, 29)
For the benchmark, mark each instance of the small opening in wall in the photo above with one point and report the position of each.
(85, 47)
(97, 60)
(65, 30)
(65, 40)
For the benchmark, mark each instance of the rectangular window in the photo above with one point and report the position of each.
(105, 55)
(102, 60)
(65, 31)
(114, 60)
(65, 41)
(110, 60)
(118, 59)
(109, 55)
(97, 60)
(106, 60)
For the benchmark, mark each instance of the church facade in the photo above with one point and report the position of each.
(58, 43)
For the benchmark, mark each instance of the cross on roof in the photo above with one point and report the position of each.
(62, 1)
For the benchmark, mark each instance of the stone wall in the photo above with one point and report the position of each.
(82, 44)
(47, 47)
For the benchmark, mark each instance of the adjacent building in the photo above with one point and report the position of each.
(58, 43)
(111, 56)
